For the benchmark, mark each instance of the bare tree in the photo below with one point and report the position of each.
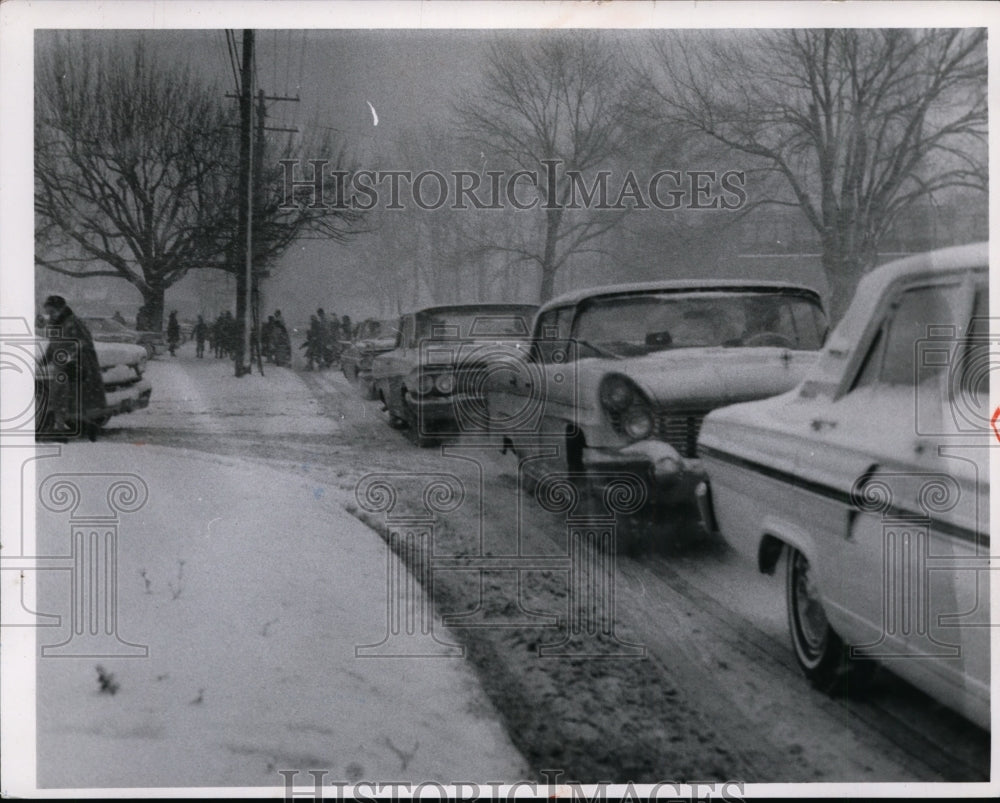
(131, 173)
(857, 124)
(135, 174)
(544, 101)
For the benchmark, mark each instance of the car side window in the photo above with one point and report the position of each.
(919, 313)
(891, 358)
(974, 359)
(871, 364)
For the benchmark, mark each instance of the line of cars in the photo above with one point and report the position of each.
(858, 458)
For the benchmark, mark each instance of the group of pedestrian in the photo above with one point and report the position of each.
(325, 339)
(275, 343)
(224, 335)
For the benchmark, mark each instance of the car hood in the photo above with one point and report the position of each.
(712, 376)
(109, 354)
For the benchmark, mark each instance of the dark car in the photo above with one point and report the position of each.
(432, 381)
(374, 337)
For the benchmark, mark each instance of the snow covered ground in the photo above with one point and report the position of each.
(251, 587)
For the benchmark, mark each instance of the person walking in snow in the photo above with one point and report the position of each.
(74, 390)
(173, 333)
(314, 343)
(200, 333)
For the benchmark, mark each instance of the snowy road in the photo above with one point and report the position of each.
(717, 694)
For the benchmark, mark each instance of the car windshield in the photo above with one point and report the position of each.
(377, 329)
(632, 325)
(466, 324)
(105, 325)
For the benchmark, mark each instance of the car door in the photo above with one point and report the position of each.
(878, 576)
(387, 368)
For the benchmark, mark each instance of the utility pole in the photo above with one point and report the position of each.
(244, 233)
(251, 169)
(258, 170)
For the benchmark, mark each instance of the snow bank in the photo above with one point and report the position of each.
(251, 589)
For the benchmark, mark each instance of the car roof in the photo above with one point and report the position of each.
(576, 296)
(942, 260)
(878, 281)
(474, 308)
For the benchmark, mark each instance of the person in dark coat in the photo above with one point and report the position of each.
(77, 402)
(173, 333)
(267, 339)
(200, 333)
(314, 343)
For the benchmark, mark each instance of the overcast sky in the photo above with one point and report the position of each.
(408, 76)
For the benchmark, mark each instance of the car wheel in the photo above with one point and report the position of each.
(818, 649)
(413, 433)
(394, 420)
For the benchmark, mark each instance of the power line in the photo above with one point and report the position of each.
(274, 58)
(233, 60)
(222, 56)
(288, 57)
(302, 64)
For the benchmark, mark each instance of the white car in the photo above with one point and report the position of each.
(618, 379)
(122, 369)
(122, 373)
(871, 478)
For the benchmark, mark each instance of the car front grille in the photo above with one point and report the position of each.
(680, 429)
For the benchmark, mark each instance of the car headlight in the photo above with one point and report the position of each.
(444, 383)
(617, 393)
(425, 383)
(637, 422)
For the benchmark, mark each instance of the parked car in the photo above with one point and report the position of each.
(618, 379)
(431, 382)
(108, 330)
(871, 478)
(122, 371)
(374, 337)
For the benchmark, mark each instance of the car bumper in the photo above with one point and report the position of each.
(438, 411)
(127, 399)
(669, 477)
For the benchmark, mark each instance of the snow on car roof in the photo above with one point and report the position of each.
(956, 257)
(508, 307)
(576, 296)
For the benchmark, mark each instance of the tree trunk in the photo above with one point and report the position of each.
(843, 272)
(150, 316)
(553, 219)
